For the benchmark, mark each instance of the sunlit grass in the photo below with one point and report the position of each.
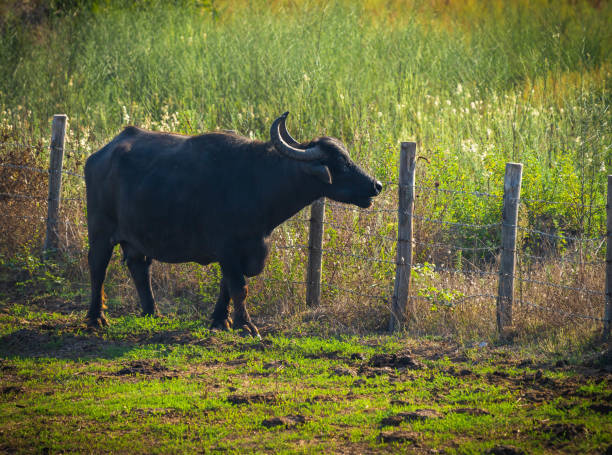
(75, 396)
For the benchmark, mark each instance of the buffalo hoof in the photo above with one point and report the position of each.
(96, 322)
(248, 329)
(221, 324)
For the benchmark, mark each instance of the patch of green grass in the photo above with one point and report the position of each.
(171, 387)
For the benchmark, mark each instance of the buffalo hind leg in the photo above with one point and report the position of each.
(99, 255)
(242, 320)
(238, 291)
(220, 317)
(140, 269)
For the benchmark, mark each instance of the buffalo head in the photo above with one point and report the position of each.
(327, 159)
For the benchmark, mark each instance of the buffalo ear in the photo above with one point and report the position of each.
(320, 171)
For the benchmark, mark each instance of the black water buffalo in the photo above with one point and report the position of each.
(216, 197)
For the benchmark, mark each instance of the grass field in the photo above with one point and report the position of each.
(170, 386)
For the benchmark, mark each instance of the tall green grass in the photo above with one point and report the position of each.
(481, 84)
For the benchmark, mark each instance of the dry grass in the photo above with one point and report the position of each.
(21, 213)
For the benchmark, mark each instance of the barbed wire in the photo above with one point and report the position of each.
(516, 301)
(481, 194)
(358, 256)
(297, 220)
(23, 196)
(474, 296)
(79, 152)
(453, 223)
(461, 299)
(37, 169)
(74, 174)
(557, 236)
(353, 292)
(366, 234)
(291, 247)
(559, 286)
(336, 253)
(44, 146)
(500, 196)
(451, 191)
(558, 311)
(463, 271)
(454, 247)
(39, 198)
(27, 217)
(558, 259)
(324, 284)
(276, 280)
(357, 209)
(29, 168)
(568, 203)
(22, 144)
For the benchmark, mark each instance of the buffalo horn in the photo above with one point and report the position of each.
(278, 132)
(282, 128)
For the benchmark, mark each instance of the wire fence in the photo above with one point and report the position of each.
(360, 259)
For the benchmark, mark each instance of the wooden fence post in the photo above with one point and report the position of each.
(315, 253)
(608, 312)
(404, 236)
(58, 135)
(505, 293)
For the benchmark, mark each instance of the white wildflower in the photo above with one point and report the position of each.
(126, 116)
(469, 146)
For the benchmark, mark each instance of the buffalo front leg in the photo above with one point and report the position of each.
(140, 269)
(220, 317)
(99, 255)
(238, 291)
